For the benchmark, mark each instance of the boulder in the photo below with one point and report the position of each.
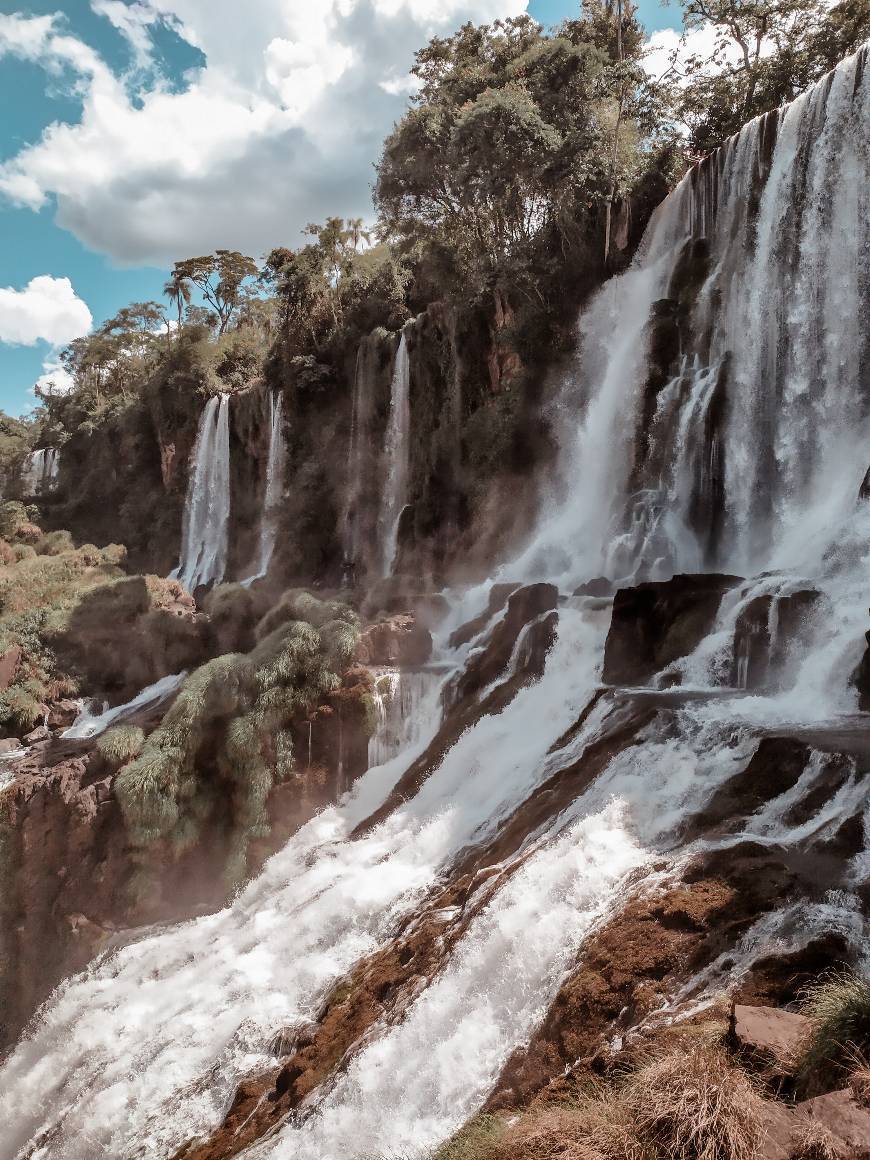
(61, 714)
(600, 586)
(524, 606)
(9, 745)
(768, 1037)
(40, 733)
(9, 662)
(396, 640)
(758, 656)
(656, 623)
(499, 595)
(844, 1117)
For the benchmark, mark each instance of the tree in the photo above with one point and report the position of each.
(219, 277)
(177, 290)
(515, 136)
(765, 52)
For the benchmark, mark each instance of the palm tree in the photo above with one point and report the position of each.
(356, 233)
(177, 290)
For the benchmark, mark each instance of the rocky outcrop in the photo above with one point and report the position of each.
(656, 623)
(768, 1038)
(763, 632)
(396, 640)
(68, 863)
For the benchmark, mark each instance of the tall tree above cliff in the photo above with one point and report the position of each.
(764, 53)
(219, 277)
(509, 143)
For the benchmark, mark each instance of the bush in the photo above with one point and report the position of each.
(121, 744)
(299, 604)
(56, 543)
(695, 1105)
(227, 739)
(839, 1008)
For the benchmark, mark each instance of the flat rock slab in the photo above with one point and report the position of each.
(769, 1035)
(846, 1119)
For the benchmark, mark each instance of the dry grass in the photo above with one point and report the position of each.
(696, 1105)
(817, 1143)
(689, 1104)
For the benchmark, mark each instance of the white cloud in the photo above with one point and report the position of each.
(55, 378)
(664, 44)
(280, 127)
(47, 309)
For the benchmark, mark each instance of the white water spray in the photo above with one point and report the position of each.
(397, 455)
(204, 538)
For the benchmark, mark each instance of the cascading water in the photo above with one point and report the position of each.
(354, 524)
(749, 455)
(40, 471)
(204, 537)
(275, 470)
(397, 455)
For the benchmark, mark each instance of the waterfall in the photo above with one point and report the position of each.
(747, 453)
(40, 470)
(205, 528)
(91, 721)
(359, 464)
(401, 700)
(397, 455)
(275, 470)
(774, 227)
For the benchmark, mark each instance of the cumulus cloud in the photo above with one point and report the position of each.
(46, 310)
(280, 127)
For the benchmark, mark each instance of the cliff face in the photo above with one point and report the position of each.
(476, 388)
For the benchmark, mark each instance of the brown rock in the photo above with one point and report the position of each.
(781, 1127)
(847, 1121)
(656, 623)
(499, 595)
(61, 714)
(9, 745)
(768, 1036)
(397, 640)
(9, 662)
(40, 733)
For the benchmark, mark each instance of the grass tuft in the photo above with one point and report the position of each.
(839, 1008)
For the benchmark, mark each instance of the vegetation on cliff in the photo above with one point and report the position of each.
(227, 739)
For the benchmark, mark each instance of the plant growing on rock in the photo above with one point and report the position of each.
(226, 741)
(839, 1008)
(119, 745)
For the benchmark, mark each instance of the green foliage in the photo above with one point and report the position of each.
(227, 737)
(516, 135)
(763, 56)
(839, 1008)
(219, 277)
(121, 744)
(38, 595)
(299, 604)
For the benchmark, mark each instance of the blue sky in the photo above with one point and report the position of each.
(180, 126)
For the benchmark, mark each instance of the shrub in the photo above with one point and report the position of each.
(13, 515)
(231, 610)
(476, 1141)
(816, 1143)
(695, 1105)
(56, 543)
(839, 1008)
(227, 738)
(298, 604)
(121, 744)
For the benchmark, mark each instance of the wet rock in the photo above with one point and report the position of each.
(764, 630)
(524, 606)
(499, 595)
(600, 586)
(844, 1117)
(656, 623)
(768, 1037)
(861, 678)
(40, 733)
(61, 714)
(9, 745)
(775, 767)
(397, 640)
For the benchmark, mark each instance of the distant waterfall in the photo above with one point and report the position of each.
(275, 471)
(397, 452)
(40, 470)
(207, 508)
